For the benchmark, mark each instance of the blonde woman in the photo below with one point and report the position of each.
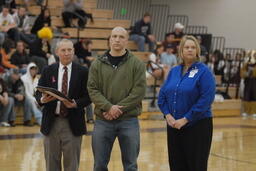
(185, 100)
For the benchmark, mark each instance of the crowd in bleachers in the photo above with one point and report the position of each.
(27, 46)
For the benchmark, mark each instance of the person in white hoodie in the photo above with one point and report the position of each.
(30, 82)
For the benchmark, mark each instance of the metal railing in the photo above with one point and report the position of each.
(218, 43)
(159, 17)
(173, 19)
(233, 52)
(195, 29)
(132, 10)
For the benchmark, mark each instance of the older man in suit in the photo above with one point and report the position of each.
(63, 122)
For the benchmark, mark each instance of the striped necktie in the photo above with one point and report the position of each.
(63, 109)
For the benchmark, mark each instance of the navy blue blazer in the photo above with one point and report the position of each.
(77, 91)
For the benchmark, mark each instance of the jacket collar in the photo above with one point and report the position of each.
(104, 57)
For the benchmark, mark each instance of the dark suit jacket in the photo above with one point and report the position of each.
(77, 91)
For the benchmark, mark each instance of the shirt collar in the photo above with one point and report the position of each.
(69, 66)
(193, 66)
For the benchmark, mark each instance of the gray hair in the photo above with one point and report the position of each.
(59, 43)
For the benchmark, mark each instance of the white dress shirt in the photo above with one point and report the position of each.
(60, 76)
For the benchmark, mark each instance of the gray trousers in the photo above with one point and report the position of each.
(61, 142)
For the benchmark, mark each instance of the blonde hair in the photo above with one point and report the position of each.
(182, 44)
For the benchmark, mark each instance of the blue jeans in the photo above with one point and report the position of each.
(140, 41)
(89, 112)
(103, 137)
(7, 112)
(2, 38)
(30, 109)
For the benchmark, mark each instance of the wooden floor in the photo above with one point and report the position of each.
(233, 148)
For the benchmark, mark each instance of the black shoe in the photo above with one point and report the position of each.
(27, 123)
(12, 124)
(90, 121)
(92, 20)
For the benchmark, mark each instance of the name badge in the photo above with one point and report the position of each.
(192, 73)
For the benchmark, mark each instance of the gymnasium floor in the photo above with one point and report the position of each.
(233, 147)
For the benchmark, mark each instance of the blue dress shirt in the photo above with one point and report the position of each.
(189, 95)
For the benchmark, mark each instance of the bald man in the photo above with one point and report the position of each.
(117, 86)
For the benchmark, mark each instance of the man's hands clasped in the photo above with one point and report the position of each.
(113, 113)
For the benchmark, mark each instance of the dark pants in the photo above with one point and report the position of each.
(14, 34)
(80, 14)
(189, 147)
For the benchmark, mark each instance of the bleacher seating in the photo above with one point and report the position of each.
(98, 23)
(56, 11)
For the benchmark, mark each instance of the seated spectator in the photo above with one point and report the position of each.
(20, 57)
(43, 20)
(30, 81)
(156, 55)
(170, 40)
(141, 33)
(178, 31)
(10, 4)
(154, 67)
(83, 50)
(21, 20)
(40, 48)
(74, 9)
(8, 26)
(6, 104)
(6, 52)
(168, 59)
(16, 90)
(204, 52)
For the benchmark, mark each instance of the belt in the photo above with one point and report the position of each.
(59, 116)
(56, 115)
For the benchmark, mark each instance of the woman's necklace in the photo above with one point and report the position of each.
(185, 69)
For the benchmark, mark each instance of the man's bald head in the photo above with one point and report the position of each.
(118, 39)
(121, 30)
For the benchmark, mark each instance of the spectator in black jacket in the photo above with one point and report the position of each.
(141, 33)
(20, 57)
(40, 49)
(43, 20)
(83, 51)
